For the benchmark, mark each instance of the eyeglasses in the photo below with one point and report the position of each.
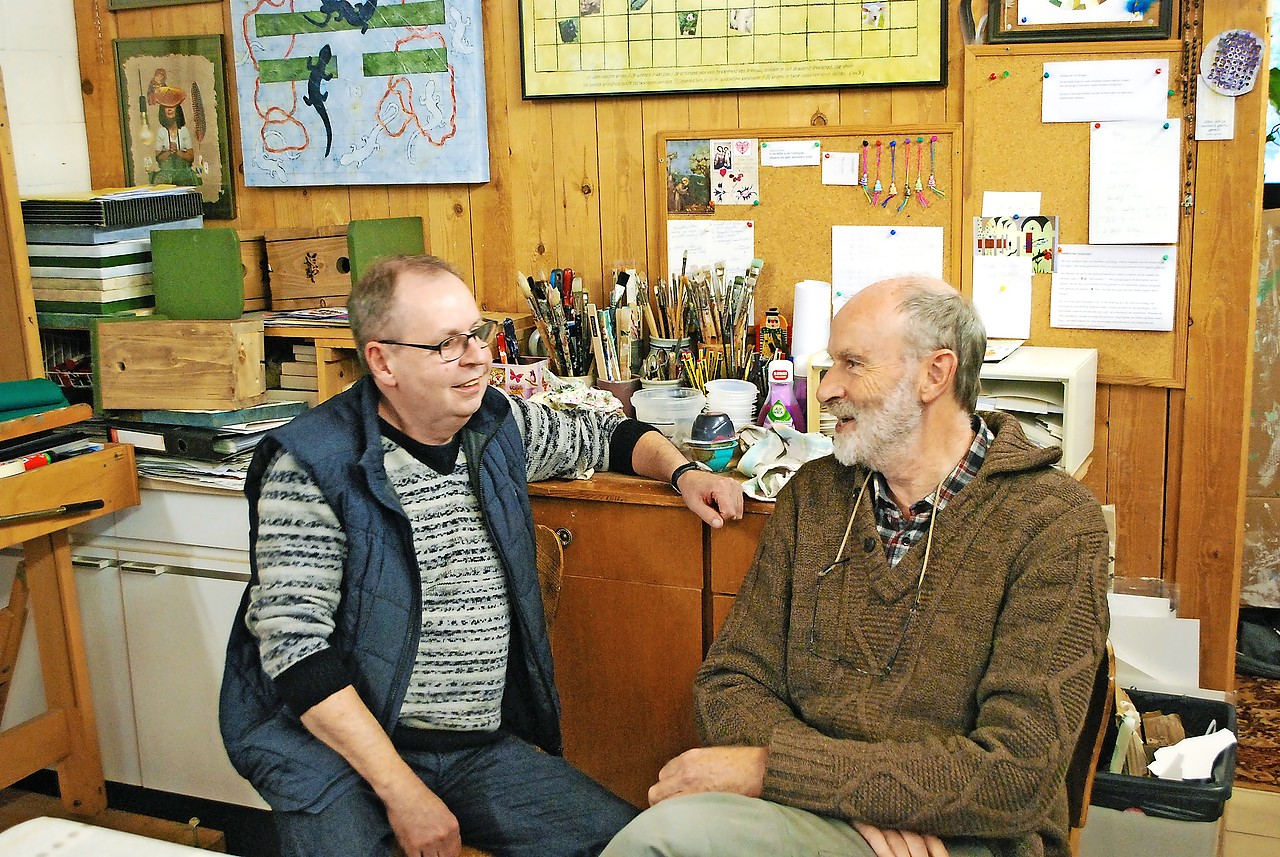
(882, 672)
(452, 348)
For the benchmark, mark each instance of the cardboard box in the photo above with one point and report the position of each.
(177, 365)
(308, 267)
(253, 259)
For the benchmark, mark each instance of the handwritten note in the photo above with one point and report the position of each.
(1105, 90)
(1002, 295)
(1114, 288)
(1134, 176)
(1215, 114)
(862, 255)
(840, 168)
(790, 153)
(710, 242)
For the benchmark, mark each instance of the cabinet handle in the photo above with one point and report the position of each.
(565, 536)
(150, 568)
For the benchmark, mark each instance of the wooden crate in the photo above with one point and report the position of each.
(309, 267)
(180, 364)
(253, 259)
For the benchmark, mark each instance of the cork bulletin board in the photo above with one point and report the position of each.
(793, 221)
(1008, 148)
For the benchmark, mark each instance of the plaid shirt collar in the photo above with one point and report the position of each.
(900, 531)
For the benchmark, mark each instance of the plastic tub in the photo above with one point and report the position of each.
(670, 409)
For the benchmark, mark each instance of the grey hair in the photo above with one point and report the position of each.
(371, 307)
(938, 318)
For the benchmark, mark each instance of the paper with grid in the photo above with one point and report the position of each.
(620, 46)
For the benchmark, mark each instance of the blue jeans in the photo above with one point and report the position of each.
(510, 799)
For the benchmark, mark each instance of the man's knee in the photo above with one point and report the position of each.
(676, 827)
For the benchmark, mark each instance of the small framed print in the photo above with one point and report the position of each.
(1078, 20)
(173, 117)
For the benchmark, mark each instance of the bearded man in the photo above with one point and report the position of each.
(909, 661)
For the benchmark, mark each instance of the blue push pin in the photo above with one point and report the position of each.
(893, 232)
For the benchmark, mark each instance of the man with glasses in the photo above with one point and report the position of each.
(910, 658)
(389, 677)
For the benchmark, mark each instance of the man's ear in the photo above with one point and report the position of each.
(938, 375)
(375, 355)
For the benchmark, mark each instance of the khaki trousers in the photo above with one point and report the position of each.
(716, 824)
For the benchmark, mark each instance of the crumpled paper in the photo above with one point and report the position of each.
(772, 456)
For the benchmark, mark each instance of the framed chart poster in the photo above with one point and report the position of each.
(624, 47)
(1078, 20)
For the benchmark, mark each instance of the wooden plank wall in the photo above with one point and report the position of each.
(569, 184)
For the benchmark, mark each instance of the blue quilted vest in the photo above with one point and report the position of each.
(379, 616)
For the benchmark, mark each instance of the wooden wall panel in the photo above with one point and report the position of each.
(533, 215)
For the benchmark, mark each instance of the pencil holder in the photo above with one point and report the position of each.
(523, 380)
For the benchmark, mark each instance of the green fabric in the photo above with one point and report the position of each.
(39, 394)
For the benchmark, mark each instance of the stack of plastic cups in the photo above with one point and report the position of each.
(735, 398)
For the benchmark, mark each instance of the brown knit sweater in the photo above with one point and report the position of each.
(971, 733)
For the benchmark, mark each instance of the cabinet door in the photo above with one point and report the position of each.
(628, 638)
(177, 626)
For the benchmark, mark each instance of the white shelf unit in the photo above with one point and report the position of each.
(1068, 376)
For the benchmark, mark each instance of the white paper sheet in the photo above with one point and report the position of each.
(862, 255)
(1008, 203)
(710, 242)
(1002, 295)
(1215, 114)
(1101, 287)
(1149, 650)
(790, 153)
(840, 168)
(1134, 182)
(1049, 12)
(1105, 90)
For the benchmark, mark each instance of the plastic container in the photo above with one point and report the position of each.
(669, 409)
(1183, 801)
(735, 398)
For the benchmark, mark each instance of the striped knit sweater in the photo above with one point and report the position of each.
(459, 672)
(971, 732)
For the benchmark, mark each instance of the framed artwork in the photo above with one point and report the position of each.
(625, 47)
(173, 117)
(1078, 20)
(147, 4)
(364, 93)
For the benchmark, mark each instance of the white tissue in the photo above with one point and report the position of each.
(1191, 758)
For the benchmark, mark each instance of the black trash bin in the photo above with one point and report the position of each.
(1146, 815)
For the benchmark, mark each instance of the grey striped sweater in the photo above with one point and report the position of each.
(458, 675)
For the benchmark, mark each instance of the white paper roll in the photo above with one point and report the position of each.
(810, 322)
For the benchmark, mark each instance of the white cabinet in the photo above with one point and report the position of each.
(159, 585)
(1052, 391)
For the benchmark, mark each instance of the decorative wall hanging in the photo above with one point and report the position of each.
(173, 117)
(366, 93)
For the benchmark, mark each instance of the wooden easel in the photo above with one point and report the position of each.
(66, 735)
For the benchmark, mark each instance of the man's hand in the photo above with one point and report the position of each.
(900, 843)
(738, 770)
(423, 825)
(711, 497)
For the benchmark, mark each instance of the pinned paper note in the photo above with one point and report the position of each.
(735, 171)
(790, 153)
(1104, 90)
(840, 168)
(1002, 295)
(1135, 182)
(862, 255)
(710, 242)
(1114, 288)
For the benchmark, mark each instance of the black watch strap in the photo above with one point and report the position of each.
(681, 471)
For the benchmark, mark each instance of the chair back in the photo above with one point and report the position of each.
(550, 559)
(1084, 759)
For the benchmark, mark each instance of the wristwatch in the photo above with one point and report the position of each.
(681, 471)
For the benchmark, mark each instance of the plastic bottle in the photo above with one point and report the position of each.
(780, 406)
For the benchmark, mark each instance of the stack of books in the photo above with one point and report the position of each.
(90, 254)
(299, 377)
(198, 447)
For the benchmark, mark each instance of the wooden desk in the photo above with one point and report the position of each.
(66, 734)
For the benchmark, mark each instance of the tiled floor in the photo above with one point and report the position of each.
(1252, 824)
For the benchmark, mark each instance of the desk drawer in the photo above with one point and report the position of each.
(108, 475)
